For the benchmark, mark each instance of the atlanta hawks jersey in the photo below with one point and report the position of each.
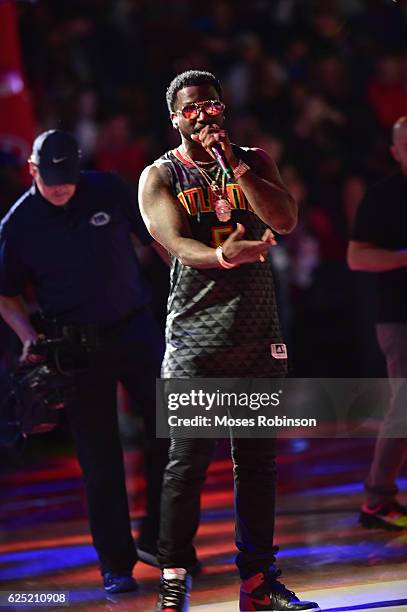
(220, 323)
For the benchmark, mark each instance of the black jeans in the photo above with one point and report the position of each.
(254, 471)
(132, 356)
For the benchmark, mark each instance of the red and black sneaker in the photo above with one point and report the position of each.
(174, 592)
(264, 593)
(392, 516)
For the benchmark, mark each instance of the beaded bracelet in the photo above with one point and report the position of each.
(240, 169)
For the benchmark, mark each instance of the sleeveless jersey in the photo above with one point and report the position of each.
(220, 323)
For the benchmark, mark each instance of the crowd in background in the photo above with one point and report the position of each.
(317, 84)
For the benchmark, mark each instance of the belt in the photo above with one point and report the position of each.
(90, 335)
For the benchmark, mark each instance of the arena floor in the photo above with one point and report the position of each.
(325, 555)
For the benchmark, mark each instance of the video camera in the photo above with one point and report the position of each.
(39, 390)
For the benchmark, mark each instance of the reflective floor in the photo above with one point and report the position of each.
(325, 555)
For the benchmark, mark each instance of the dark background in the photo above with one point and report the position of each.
(316, 84)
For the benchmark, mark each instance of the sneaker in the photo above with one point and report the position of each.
(119, 583)
(174, 592)
(392, 517)
(263, 592)
(147, 553)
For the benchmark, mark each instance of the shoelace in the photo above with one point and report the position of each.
(273, 582)
(172, 590)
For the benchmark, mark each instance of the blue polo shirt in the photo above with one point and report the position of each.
(80, 257)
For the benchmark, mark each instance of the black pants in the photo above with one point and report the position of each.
(390, 451)
(255, 482)
(132, 356)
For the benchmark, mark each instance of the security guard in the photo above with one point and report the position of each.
(70, 235)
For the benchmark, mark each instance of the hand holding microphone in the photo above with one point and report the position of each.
(216, 141)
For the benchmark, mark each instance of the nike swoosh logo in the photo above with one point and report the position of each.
(58, 160)
(261, 602)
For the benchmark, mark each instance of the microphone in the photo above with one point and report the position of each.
(223, 163)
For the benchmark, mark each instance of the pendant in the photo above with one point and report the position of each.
(223, 209)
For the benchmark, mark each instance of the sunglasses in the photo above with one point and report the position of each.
(211, 107)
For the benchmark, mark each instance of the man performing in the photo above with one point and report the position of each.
(70, 236)
(222, 322)
(379, 244)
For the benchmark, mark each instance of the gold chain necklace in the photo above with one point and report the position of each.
(222, 205)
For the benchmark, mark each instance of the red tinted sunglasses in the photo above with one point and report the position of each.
(211, 107)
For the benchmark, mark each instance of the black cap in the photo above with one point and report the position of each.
(56, 154)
